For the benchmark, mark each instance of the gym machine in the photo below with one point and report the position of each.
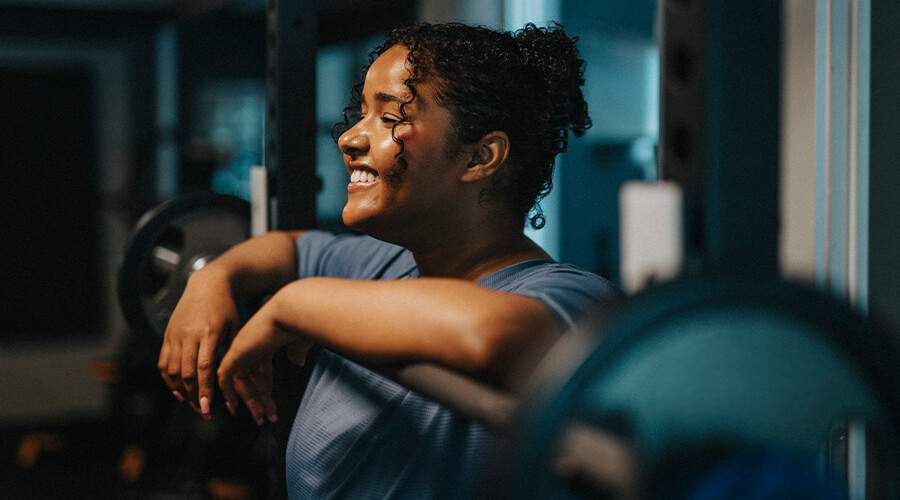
(724, 382)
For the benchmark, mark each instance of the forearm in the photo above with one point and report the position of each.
(207, 312)
(457, 324)
(254, 268)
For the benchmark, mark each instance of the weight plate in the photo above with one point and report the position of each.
(705, 373)
(168, 244)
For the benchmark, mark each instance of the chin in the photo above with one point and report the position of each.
(377, 225)
(354, 222)
(354, 226)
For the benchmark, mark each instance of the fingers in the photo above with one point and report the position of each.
(188, 370)
(268, 404)
(205, 314)
(205, 363)
(226, 383)
(171, 376)
(173, 369)
(298, 352)
(163, 366)
(253, 386)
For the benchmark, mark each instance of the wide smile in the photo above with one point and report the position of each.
(362, 178)
(360, 175)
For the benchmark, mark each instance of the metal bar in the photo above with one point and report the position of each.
(863, 57)
(466, 396)
(823, 34)
(719, 134)
(741, 136)
(682, 88)
(842, 152)
(290, 149)
(884, 149)
(839, 154)
(167, 167)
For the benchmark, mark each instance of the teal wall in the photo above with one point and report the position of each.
(618, 43)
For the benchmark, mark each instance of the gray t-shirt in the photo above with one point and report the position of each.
(359, 435)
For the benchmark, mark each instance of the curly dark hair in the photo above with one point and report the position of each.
(525, 83)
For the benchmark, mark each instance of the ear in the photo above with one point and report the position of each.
(490, 153)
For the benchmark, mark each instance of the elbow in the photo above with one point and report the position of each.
(503, 349)
(481, 348)
(479, 341)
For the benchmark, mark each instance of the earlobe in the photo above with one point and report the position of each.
(489, 155)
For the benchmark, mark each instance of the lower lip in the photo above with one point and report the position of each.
(353, 187)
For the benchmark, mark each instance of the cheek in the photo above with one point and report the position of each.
(412, 138)
(388, 147)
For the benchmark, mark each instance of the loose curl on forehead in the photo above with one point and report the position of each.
(526, 83)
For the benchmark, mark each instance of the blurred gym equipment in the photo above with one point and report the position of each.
(711, 388)
(167, 245)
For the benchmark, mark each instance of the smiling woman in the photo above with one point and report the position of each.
(448, 143)
(528, 85)
(404, 142)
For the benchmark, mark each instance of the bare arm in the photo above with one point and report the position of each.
(257, 267)
(493, 335)
(207, 313)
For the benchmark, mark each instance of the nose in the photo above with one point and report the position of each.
(353, 140)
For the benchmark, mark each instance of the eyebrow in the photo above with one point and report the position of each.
(385, 97)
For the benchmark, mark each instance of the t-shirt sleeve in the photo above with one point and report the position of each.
(568, 291)
(320, 253)
(570, 295)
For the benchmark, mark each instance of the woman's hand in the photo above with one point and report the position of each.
(245, 372)
(207, 313)
(205, 317)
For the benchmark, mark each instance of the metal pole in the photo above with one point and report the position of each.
(719, 134)
(290, 149)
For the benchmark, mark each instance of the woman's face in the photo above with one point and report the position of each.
(392, 200)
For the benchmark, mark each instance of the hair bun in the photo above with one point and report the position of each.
(552, 56)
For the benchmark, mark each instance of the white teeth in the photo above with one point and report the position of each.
(360, 175)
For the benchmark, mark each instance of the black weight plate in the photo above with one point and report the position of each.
(170, 242)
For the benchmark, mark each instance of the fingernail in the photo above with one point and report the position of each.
(194, 406)
(178, 396)
(204, 405)
(259, 420)
(272, 418)
(230, 408)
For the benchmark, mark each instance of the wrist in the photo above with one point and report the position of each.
(211, 277)
(273, 314)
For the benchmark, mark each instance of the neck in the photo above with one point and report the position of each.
(475, 255)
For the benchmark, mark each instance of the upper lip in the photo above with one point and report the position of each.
(360, 166)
